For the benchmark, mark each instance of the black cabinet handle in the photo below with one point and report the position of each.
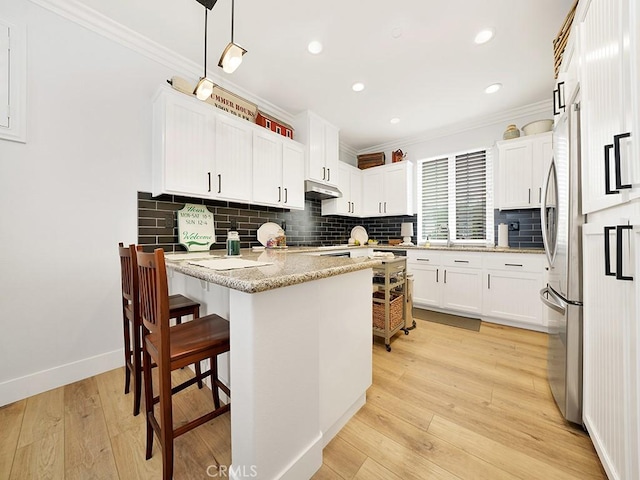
(423, 260)
(556, 109)
(607, 252)
(561, 103)
(607, 171)
(489, 281)
(461, 261)
(324, 173)
(619, 229)
(619, 237)
(219, 183)
(385, 207)
(512, 264)
(328, 174)
(529, 201)
(445, 276)
(209, 181)
(286, 195)
(616, 155)
(540, 195)
(279, 194)
(437, 274)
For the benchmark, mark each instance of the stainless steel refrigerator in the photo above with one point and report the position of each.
(561, 231)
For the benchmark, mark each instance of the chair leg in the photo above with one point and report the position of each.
(127, 353)
(148, 400)
(137, 369)
(166, 423)
(214, 382)
(199, 374)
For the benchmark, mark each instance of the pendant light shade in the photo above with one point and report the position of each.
(231, 57)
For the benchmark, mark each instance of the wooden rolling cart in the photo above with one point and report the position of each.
(389, 293)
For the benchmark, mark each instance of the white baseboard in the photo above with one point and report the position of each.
(32, 384)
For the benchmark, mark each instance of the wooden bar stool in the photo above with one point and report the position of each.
(171, 348)
(179, 306)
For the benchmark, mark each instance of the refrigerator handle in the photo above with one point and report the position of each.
(543, 215)
(547, 298)
(619, 237)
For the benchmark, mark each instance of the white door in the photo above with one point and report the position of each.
(513, 296)
(292, 176)
(185, 138)
(608, 363)
(514, 166)
(462, 289)
(426, 284)
(233, 159)
(372, 193)
(267, 169)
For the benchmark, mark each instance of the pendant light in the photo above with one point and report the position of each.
(232, 55)
(204, 88)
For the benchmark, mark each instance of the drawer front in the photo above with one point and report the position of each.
(462, 259)
(515, 262)
(424, 257)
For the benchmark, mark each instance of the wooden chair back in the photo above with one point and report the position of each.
(154, 295)
(129, 277)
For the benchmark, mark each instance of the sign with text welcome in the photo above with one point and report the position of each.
(196, 230)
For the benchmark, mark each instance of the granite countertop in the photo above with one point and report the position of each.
(453, 248)
(287, 267)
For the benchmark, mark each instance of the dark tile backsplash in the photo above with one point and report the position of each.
(158, 227)
(529, 234)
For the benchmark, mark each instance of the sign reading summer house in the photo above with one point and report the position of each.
(196, 230)
(229, 102)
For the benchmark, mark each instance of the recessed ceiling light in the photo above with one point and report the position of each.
(493, 88)
(484, 36)
(396, 32)
(358, 86)
(314, 47)
(395, 120)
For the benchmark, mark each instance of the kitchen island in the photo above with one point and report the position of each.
(300, 359)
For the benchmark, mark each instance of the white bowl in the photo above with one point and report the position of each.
(539, 126)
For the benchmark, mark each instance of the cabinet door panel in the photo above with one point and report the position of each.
(267, 169)
(293, 176)
(331, 153)
(189, 135)
(513, 296)
(515, 175)
(317, 170)
(462, 290)
(426, 284)
(355, 187)
(373, 190)
(395, 191)
(233, 160)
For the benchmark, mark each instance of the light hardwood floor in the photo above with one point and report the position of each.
(446, 403)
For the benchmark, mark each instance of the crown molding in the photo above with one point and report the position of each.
(96, 22)
(348, 149)
(539, 108)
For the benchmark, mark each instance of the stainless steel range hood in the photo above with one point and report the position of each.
(320, 191)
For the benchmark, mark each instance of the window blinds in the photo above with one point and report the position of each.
(435, 198)
(471, 195)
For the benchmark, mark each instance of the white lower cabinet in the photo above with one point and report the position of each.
(511, 289)
(610, 365)
(447, 280)
(495, 287)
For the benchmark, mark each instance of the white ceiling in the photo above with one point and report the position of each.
(432, 76)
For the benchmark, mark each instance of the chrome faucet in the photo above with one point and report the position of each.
(444, 227)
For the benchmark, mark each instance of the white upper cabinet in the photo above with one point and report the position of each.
(322, 144)
(232, 179)
(609, 103)
(350, 185)
(184, 136)
(388, 190)
(522, 165)
(200, 151)
(278, 171)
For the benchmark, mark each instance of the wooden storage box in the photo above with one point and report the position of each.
(368, 160)
(396, 309)
(274, 125)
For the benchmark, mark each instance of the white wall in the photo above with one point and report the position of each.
(68, 197)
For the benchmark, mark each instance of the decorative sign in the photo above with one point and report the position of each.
(196, 230)
(227, 101)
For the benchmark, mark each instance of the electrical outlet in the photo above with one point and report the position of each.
(514, 226)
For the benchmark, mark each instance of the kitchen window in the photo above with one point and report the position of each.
(454, 198)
